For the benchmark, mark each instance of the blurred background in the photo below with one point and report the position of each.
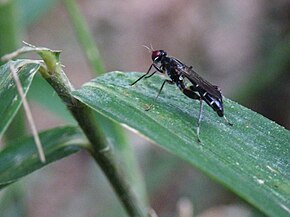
(241, 46)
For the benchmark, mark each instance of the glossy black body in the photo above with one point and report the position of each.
(188, 81)
(197, 88)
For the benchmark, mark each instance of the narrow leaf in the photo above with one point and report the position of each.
(9, 97)
(251, 158)
(20, 158)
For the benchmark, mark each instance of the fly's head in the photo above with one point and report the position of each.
(158, 55)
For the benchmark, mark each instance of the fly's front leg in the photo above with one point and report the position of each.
(164, 82)
(157, 70)
(146, 74)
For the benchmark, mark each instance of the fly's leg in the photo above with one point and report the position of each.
(188, 91)
(164, 82)
(157, 70)
(199, 119)
(229, 123)
(193, 95)
(146, 74)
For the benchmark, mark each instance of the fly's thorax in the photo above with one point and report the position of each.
(157, 64)
(174, 76)
(172, 69)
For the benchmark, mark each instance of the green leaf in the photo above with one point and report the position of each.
(9, 97)
(20, 157)
(251, 158)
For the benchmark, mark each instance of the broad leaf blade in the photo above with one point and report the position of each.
(9, 97)
(20, 158)
(251, 158)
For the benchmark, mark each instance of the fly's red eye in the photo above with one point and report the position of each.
(155, 55)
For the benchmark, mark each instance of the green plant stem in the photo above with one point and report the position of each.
(113, 130)
(100, 149)
(84, 37)
(10, 27)
(9, 40)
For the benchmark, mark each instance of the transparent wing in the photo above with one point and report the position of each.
(196, 79)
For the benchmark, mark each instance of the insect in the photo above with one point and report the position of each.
(188, 81)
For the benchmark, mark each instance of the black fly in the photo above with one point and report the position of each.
(188, 81)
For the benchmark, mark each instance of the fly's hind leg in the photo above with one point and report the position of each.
(191, 94)
(199, 120)
(229, 123)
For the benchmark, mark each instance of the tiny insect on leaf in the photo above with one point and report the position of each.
(196, 88)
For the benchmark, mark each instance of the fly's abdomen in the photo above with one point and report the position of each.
(215, 103)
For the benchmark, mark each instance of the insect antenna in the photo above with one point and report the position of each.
(150, 49)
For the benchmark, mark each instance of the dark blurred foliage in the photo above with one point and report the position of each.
(274, 100)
